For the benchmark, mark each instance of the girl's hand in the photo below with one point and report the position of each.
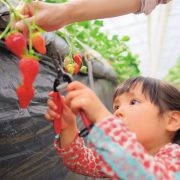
(69, 130)
(80, 97)
(68, 117)
(48, 16)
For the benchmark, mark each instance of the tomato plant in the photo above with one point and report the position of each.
(23, 47)
(114, 49)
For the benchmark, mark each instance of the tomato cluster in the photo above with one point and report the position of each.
(73, 67)
(24, 48)
(17, 43)
(29, 64)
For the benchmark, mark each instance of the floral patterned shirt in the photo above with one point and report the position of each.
(115, 153)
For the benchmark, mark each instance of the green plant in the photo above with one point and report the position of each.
(16, 15)
(114, 49)
(24, 47)
(173, 75)
(16, 42)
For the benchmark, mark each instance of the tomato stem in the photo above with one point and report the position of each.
(6, 30)
(17, 14)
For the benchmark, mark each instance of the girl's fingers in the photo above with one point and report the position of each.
(48, 117)
(52, 113)
(63, 98)
(51, 104)
(77, 104)
(68, 112)
(74, 94)
(81, 102)
(75, 85)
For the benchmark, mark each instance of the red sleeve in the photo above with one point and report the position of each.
(80, 159)
(123, 157)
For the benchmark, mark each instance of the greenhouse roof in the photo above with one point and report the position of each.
(155, 38)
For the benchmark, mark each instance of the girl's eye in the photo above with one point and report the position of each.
(134, 101)
(116, 107)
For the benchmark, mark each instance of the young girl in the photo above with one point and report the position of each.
(140, 141)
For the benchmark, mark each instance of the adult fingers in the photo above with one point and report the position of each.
(29, 11)
(21, 25)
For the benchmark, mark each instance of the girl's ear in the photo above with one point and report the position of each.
(173, 121)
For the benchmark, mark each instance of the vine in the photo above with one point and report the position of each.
(114, 49)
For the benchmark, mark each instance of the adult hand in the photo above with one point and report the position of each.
(46, 15)
(54, 16)
(80, 97)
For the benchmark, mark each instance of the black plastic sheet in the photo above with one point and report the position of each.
(26, 149)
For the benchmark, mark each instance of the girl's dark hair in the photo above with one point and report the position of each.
(161, 94)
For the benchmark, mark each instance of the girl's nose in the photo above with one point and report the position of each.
(118, 113)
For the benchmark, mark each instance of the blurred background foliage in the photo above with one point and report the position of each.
(114, 49)
(174, 74)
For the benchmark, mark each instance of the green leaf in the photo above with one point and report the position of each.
(27, 1)
(125, 38)
(98, 22)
